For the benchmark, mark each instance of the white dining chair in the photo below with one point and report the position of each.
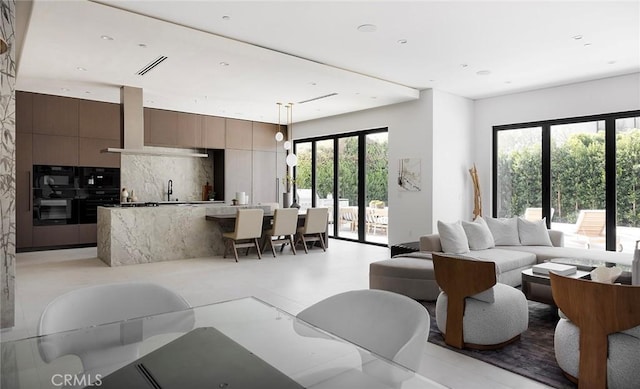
(112, 346)
(248, 230)
(391, 325)
(315, 225)
(285, 225)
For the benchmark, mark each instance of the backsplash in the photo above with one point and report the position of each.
(148, 175)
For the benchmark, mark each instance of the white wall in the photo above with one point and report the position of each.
(410, 129)
(609, 95)
(453, 118)
(414, 128)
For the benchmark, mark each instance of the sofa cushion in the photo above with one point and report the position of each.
(598, 257)
(452, 238)
(478, 234)
(504, 231)
(533, 233)
(505, 260)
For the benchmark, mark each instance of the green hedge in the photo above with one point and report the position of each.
(578, 177)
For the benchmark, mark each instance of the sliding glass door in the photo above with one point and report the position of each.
(582, 174)
(347, 173)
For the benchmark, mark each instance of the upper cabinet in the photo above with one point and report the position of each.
(239, 134)
(100, 120)
(24, 112)
(55, 115)
(160, 127)
(189, 130)
(213, 132)
(264, 136)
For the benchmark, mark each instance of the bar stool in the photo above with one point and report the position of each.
(285, 225)
(314, 226)
(247, 231)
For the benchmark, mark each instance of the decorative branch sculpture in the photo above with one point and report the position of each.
(477, 197)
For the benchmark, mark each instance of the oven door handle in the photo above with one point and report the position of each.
(30, 193)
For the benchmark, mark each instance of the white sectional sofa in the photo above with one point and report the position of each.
(510, 260)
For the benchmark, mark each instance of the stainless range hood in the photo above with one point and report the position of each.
(133, 119)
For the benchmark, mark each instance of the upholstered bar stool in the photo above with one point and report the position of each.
(285, 225)
(247, 231)
(473, 310)
(315, 225)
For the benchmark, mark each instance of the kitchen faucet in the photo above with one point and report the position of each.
(169, 190)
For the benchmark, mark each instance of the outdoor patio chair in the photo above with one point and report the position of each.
(591, 227)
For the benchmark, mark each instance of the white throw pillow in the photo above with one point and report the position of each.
(452, 238)
(478, 234)
(533, 233)
(504, 231)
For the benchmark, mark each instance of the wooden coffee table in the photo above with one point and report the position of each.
(537, 287)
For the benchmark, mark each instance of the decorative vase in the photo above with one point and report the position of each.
(287, 199)
(124, 195)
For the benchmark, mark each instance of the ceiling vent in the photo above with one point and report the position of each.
(151, 65)
(317, 98)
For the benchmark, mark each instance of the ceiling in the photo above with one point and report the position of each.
(239, 58)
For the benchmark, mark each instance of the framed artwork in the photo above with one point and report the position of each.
(409, 174)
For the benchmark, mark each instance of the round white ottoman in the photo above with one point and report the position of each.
(489, 324)
(412, 277)
(623, 364)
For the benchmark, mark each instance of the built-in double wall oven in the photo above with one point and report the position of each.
(71, 194)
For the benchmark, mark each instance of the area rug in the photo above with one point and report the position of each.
(532, 356)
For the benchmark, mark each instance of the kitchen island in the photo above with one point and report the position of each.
(134, 235)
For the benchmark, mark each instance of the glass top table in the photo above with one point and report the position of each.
(308, 356)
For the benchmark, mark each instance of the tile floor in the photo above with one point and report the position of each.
(289, 282)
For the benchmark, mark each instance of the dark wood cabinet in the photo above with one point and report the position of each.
(24, 112)
(213, 132)
(24, 197)
(50, 236)
(55, 115)
(87, 233)
(160, 127)
(239, 134)
(99, 120)
(55, 150)
(189, 130)
(91, 152)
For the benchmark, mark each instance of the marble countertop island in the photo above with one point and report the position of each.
(134, 235)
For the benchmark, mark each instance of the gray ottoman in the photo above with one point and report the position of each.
(410, 276)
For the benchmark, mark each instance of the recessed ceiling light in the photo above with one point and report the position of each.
(143, 45)
(224, 64)
(402, 41)
(226, 18)
(577, 37)
(81, 69)
(611, 62)
(432, 80)
(65, 89)
(464, 65)
(587, 44)
(106, 38)
(87, 92)
(313, 83)
(367, 28)
(374, 97)
(483, 72)
(507, 82)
